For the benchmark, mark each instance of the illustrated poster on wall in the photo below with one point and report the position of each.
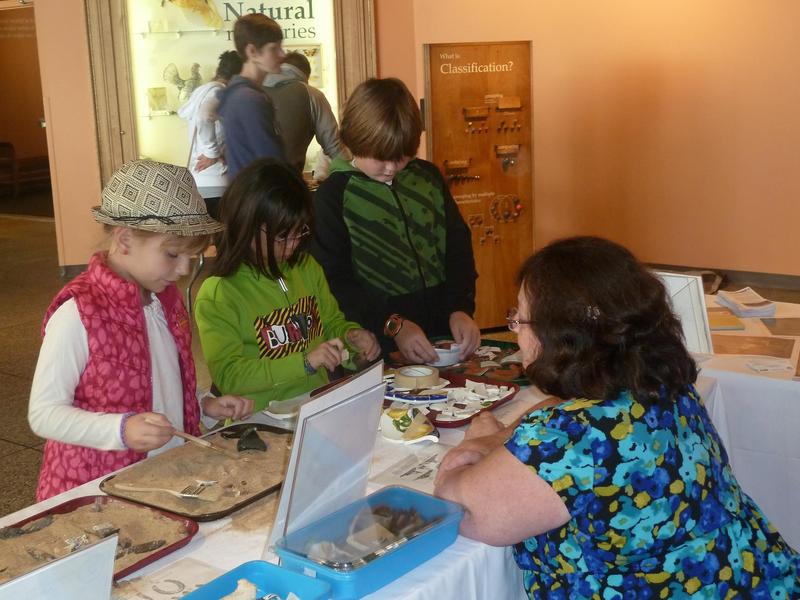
(175, 45)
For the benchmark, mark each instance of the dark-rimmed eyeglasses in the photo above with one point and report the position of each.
(304, 232)
(513, 321)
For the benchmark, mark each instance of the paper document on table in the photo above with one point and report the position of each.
(746, 303)
(417, 470)
(173, 581)
(767, 365)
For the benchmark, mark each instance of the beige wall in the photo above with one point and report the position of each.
(20, 104)
(670, 126)
(71, 138)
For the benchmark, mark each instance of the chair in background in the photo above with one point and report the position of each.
(17, 172)
(9, 169)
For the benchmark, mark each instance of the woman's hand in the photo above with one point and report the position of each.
(227, 407)
(482, 425)
(414, 344)
(366, 343)
(147, 431)
(327, 354)
(465, 333)
(485, 433)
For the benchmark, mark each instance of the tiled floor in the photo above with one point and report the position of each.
(29, 276)
(29, 279)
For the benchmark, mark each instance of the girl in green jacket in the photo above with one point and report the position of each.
(269, 326)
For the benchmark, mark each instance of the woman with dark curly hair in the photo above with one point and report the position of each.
(619, 486)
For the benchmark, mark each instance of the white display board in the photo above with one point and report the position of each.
(86, 574)
(688, 302)
(331, 452)
(175, 48)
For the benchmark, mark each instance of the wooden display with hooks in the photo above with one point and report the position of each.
(478, 118)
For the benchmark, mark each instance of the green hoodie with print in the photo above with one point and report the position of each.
(254, 335)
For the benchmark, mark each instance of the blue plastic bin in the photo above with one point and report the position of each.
(268, 578)
(364, 580)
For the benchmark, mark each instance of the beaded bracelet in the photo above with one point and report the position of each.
(307, 365)
(122, 422)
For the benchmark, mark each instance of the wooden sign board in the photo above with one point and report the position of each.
(479, 117)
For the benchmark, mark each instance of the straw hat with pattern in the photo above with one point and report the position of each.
(157, 197)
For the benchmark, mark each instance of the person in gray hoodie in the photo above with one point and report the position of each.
(302, 111)
(247, 113)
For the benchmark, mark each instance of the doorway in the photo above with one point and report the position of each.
(24, 165)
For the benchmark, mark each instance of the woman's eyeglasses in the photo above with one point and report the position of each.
(304, 232)
(513, 321)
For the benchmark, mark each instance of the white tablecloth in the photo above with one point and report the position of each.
(758, 417)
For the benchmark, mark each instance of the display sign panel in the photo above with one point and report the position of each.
(479, 122)
(175, 45)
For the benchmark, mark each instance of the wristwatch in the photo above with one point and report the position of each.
(393, 325)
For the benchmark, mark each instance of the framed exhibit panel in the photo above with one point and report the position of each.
(479, 119)
(688, 302)
(148, 55)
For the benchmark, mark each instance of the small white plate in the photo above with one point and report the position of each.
(410, 433)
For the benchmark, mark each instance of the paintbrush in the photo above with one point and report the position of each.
(201, 442)
(207, 444)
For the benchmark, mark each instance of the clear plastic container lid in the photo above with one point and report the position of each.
(369, 528)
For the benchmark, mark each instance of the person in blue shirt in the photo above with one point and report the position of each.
(247, 113)
(619, 486)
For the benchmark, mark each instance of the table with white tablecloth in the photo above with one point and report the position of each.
(758, 417)
(465, 570)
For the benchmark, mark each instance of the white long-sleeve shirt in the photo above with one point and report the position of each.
(206, 136)
(62, 360)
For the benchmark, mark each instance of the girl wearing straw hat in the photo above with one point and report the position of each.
(115, 371)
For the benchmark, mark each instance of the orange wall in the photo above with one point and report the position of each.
(395, 40)
(71, 137)
(671, 127)
(21, 99)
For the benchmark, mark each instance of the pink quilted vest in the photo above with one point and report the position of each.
(118, 375)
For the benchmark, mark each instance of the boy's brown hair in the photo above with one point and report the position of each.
(256, 29)
(381, 120)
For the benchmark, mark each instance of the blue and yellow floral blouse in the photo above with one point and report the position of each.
(655, 509)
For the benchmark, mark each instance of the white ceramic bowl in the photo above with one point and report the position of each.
(447, 356)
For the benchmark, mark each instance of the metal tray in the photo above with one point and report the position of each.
(71, 505)
(153, 501)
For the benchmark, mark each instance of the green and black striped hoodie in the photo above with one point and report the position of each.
(394, 248)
